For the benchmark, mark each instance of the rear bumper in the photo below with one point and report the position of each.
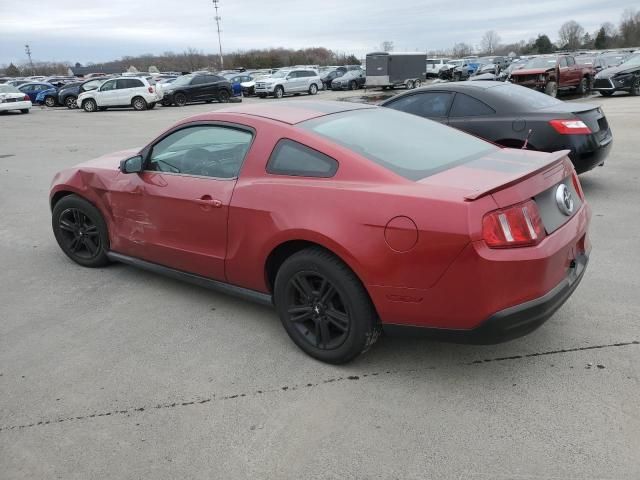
(587, 152)
(21, 105)
(512, 322)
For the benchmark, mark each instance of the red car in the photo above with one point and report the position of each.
(349, 218)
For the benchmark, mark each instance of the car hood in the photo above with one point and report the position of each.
(110, 161)
(610, 72)
(497, 170)
(530, 71)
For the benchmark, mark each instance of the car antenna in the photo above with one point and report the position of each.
(526, 140)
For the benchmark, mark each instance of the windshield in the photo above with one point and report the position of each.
(633, 61)
(541, 62)
(8, 89)
(183, 80)
(405, 144)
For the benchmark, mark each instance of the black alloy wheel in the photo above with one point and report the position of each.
(223, 96)
(324, 307)
(635, 87)
(50, 101)
(80, 231)
(180, 99)
(70, 102)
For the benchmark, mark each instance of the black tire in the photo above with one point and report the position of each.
(583, 87)
(262, 95)
(80, 231)
(90, 105)
(353, 85)
(278, 92)
(223, 96)
(180, 99)
(335, 319)
(152, 105)
(551, 89)
(49, 101)
(139, 104)
(24, 110)
(166, 103)
(71, 102)
(635, 87)
(606, 94)
(313, 89)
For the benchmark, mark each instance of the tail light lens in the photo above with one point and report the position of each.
(150, 89)
(570, 127)
(516, 226)
(577, 186)
(26, 97)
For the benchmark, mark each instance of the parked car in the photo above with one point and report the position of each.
(34, 88)
(625, 77)
(13, 99)
(136, 92)
(490, 71)
(197, 87)
(285, 81)
(68, 95)
(17, 83)
(48, 97)
(390, 69)
(515, 117)
(600, 62)
(287, 220)
(351, 80)
(550, 73)
(236, 82)
(330, 76)
(434, 65)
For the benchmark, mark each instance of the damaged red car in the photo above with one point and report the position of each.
(350, 219)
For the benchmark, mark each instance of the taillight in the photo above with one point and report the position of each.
(570, 127)
(150, 89)
(516, 226)
(26, 97)
(576, 185)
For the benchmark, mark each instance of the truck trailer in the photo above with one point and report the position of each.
(392, 69)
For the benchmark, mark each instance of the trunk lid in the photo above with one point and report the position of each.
(592, 116)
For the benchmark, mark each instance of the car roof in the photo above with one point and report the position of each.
(291, 112)
(462, 86)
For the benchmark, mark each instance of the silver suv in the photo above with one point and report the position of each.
(298, 80)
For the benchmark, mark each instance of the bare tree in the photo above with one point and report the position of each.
(461, 50)
(490, 41)
(387, 46)
(570, 34)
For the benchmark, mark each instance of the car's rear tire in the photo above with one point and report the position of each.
(583, 87)
(223, 96)
(635, 87)
(353, 85)
(139, 104)
(278, 92)
(81, 231)
(551, 89)
(71, 102)
(24, 110)
(324, 307)
(90, 105)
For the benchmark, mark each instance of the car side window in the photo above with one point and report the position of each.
(571, 61)
(427, 104)
(199, 80)
(204, 150)
(110, 85)
(562, 62)
(297, 160)
(466, 106)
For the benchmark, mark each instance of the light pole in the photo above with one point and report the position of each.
(27, 50)
(218, 18)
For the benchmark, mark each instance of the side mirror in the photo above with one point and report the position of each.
(131, 165)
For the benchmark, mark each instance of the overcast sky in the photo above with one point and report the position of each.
(97, 30)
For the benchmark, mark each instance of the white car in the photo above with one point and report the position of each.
(434, 65)
(13, 99)
(137, 92)
(298, 80)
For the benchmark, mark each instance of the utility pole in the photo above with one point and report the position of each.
(27, 50)
(218, 18)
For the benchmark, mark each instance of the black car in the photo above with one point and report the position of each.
(68, 94)
(330, 76)
(351, 80)
(197, 87)
(625, 77)
(514, 117)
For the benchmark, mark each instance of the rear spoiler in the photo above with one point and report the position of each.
(556, 158)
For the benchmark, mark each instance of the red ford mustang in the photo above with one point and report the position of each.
(349, 218)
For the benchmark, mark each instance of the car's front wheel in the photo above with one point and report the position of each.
(313, 89)
(551, 89)
(635, 87)
(223, 96)
(80, 231)
(89, 105)
(278, 92)
(180, 99)
(70, 102)
(50, 101)
(324, 307)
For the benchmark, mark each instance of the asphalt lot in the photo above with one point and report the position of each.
(119, 373)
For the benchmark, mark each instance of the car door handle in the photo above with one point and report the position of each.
(207, 200)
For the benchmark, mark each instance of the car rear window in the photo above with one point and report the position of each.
(408, 145)
(525, 98)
